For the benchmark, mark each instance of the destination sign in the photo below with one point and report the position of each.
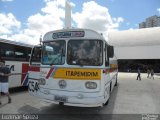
(68, 34)
(77, 74)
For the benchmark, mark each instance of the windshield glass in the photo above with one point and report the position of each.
(85, 52)
(54, 53)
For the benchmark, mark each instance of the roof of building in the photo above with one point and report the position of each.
(135, 37)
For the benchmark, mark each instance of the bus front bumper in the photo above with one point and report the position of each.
(70, 98)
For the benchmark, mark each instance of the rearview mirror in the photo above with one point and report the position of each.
(36, 55)
(110, 51)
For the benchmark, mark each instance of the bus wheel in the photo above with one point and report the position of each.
(116, 81)
(61, 103)
(106, 103)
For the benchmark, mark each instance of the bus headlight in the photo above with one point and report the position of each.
(42, 81)
(91, 85)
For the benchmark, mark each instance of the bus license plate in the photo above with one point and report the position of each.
(60, 98)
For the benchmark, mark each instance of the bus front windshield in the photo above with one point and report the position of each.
(85, 52)
(53, 53)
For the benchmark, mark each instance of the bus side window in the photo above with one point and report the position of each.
(20, 53)
(7, 51)
(106, 56)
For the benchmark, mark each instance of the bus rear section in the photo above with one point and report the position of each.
(16, 56)
(75, 69)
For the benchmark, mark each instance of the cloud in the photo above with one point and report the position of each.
(96, 17)
(158, 9)
(44, 23)
(8, 23)
(51, 17)
(7, 0)
(116, 22)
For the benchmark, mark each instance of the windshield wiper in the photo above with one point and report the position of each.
(57, 58)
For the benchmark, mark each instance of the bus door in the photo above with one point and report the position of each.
(34, 69)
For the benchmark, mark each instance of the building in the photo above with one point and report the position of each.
(153, 21)
(137, 48)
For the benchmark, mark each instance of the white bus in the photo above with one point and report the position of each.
(77, 68)
(16, 56)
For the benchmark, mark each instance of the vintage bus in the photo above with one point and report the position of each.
(76, 67)
(16, 56)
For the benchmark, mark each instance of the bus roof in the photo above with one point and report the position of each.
(72, 33)
(15, 43)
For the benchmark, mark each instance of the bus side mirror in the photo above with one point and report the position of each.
(35, 58)
(110, 50)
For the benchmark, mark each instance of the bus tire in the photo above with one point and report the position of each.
(116, 82)
(106, 103)
(61, 103)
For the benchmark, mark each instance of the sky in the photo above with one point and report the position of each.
(26, 20)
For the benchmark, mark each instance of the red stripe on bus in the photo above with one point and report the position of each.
(109, 70)
(49, 73)
(34, 68)
(25, 67)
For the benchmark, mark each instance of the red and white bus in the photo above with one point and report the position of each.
(16, 56)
